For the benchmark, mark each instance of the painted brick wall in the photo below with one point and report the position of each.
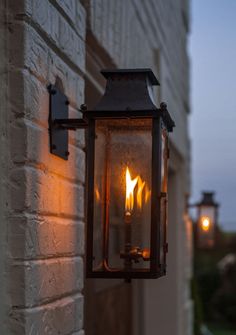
(45, 215)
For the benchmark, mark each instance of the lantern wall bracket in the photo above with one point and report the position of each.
(59, 122)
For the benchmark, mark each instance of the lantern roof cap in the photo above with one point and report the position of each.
(208, 199)
(129, 94)
(109, 73)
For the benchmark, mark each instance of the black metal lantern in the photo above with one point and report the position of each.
(207, 220)
(127, 154)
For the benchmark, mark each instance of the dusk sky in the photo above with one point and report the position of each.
(213, 103)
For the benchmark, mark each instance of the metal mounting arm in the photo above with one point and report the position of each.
(70, 124)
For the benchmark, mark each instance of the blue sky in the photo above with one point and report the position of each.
(213, 103)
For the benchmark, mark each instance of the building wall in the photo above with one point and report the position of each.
(43, 223)
(135, 33)
(4, 154)
(67, 42)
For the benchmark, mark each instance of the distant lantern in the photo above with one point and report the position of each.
(207, 220)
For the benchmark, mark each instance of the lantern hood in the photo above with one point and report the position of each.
(129, 92)
(208, 199)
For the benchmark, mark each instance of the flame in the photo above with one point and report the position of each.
(205, 223)
(139, 192)
(97, 194)
(130, 186)
(147, 194)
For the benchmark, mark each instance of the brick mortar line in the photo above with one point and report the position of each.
(49, 260)
(36, 123)
(37, 217)
(21, 261)
(55, 48)
(57, 301)
(30, 167)
(48, 214)
(43, 168)
(24, 17)
(25, 70)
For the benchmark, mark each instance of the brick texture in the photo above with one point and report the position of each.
(46, 216)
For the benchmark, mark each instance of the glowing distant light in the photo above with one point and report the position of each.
(205, 223)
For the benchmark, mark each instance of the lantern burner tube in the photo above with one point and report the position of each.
(132, 253)
(128, 247)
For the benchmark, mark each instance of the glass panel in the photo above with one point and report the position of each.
(206, 226)
(122, 206)
(164, 180)
(163, 229)
(164, 156)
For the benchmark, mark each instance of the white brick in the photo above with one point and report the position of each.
(46, 41)
(45, 64)
(42, 281)
(64, 316)
(30, 144)
(31, 98)
(58, 30)
(43, 193)
(68, 37)
(76, 12)
(33, 237)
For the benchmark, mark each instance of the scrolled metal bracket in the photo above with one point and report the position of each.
(59, 122)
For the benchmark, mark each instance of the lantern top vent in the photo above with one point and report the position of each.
(131, 72)
(128, 90)
(208, 199)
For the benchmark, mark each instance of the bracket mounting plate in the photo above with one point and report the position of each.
(58, 109)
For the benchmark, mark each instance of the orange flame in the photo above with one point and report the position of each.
(205, 223)
(147, 194)
(140, 192)
(130, 186)
(97, 194)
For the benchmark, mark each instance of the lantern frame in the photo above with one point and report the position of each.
(128, 95)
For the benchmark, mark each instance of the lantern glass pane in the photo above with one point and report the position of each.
(164, 154)
(122, 194)
(206, 226)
